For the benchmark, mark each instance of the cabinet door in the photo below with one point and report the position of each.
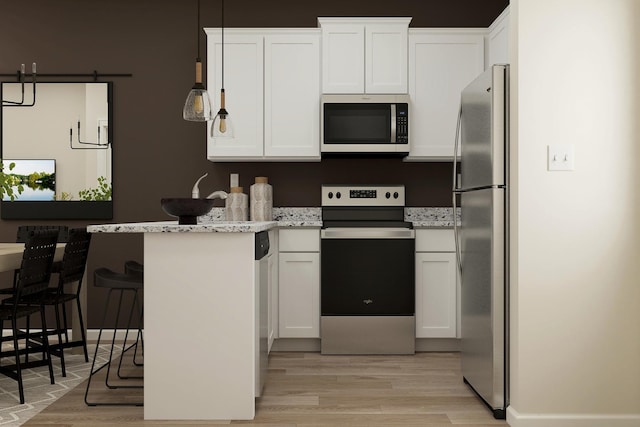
(498, 40)
(436, 294)
(292, 93)
(386, 58)
(299, 291)
(270, 312)
(273, 287)
(440, 66)
(243, 83)
(343, 58)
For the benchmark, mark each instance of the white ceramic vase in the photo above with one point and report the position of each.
(261, 200)
(236, 205)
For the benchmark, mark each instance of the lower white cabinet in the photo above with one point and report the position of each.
(437, 295)
(299, 283)
(272, 310)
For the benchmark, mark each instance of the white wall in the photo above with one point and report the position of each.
(575, 240)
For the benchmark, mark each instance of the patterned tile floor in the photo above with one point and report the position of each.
(38, 391)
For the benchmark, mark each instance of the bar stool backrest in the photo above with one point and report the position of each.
(23, 232)
(75, 256)
(35, 269)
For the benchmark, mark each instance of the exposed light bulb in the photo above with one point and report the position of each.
(198, 104)
(223, 124)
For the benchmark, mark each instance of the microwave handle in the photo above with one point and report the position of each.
(393, 123)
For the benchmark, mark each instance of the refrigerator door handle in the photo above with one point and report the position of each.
(456, 238)
(455, 149)
(454, 193)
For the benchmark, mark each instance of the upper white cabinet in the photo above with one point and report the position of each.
(292, 90)
(243, 82)
(272, 86)
(497, 43)
(364, 55)
(441, 63)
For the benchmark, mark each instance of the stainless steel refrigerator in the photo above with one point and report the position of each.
(483, 235)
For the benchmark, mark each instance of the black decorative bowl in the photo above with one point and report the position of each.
(187, 210)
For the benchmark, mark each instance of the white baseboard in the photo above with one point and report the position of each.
(296, 344)
(437, 344)
(313, 344)
(516, 419)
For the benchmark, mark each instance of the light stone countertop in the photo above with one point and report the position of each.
(285, 217)
(174, 227)
(431, 217)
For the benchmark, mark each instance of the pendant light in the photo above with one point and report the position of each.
(197, 107)
(222, 126)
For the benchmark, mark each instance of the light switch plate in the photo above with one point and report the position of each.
(560, 157)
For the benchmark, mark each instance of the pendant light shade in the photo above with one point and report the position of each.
(197, 107)
(222, 126)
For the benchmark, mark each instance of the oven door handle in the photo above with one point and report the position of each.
(367, 233)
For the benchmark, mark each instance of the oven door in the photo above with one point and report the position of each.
(367, 272)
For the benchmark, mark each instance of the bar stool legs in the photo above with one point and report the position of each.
(122, 283)
(139, 340)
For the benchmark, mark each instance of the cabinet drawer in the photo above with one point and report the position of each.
(299, 240)
(435, 240)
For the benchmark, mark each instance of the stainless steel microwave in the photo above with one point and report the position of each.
(368, 124)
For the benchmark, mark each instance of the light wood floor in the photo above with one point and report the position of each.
(313, 390)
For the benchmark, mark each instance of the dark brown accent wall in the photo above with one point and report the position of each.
(156, 153)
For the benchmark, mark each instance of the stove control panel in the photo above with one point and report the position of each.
(363, 195)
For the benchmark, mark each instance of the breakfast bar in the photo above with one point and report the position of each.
(200, 318)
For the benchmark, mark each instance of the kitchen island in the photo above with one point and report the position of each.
(200, 320)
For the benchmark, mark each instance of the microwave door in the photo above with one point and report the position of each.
(358, 123)
(376, 124)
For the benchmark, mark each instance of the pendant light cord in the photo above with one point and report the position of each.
(222, 45)
(198, 31)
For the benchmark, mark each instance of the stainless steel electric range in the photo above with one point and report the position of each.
(367, 297)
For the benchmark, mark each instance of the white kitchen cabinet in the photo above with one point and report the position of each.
(273, 288)
(437, 285)
(441, 63)
(299, 283)
(272, 86)
(291, 97)
(364, 55)
(243, 83)
(497, 41)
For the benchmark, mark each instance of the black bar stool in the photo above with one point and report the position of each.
(131, 281)
(135, 269)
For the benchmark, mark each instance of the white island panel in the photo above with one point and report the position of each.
(199, 324)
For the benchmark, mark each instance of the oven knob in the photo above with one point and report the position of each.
(338, 195)
(330, 195)
(388, 195)
(396, 195)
